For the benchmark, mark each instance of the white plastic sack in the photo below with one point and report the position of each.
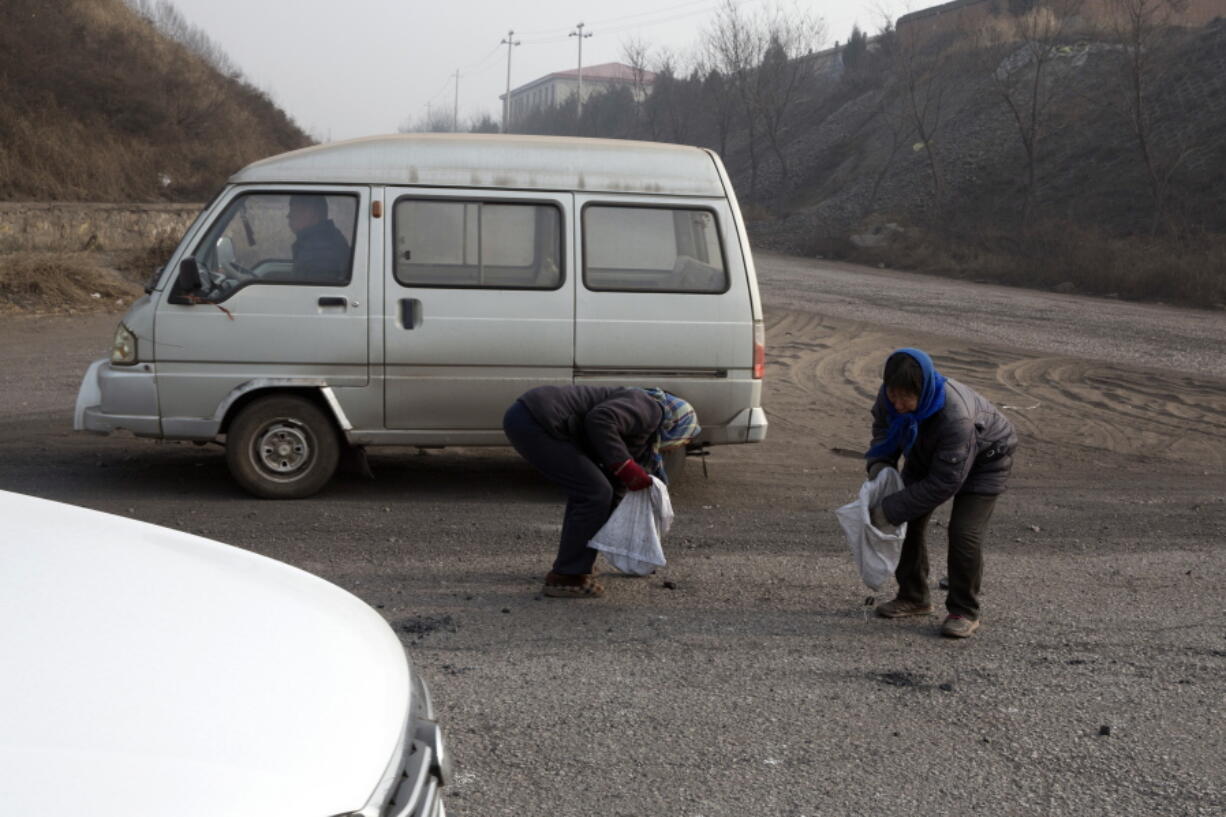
(630, 540)
(875, 552)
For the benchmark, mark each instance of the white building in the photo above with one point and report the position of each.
(554, 89)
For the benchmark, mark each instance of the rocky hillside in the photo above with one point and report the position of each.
(97, 104)
(1102, 214)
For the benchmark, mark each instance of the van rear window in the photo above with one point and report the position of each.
(652, 249)
(474, 244)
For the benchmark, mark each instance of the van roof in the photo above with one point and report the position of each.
(498, 161)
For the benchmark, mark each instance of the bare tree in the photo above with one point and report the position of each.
(675, 102)
(1140, 27)
(718, 99)
(784, 75)
(433, 121)
(1018, 50)
(735, 46)
(917, 66)
(636, 53)
(171, 22)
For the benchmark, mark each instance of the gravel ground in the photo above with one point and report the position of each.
(754, 682)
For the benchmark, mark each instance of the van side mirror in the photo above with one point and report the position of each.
(187, 282)
(189, 275)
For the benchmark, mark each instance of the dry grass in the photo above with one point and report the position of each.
(48, 283)
(1189, 270)
(96, 105)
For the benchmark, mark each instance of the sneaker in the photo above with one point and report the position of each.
(572, 586)
(898, 608)
(957, 626)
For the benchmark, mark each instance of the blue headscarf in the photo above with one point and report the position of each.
(904, 428)
(678, 425)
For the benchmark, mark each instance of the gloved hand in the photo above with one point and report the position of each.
(877, 516)
(875, 469)
(632, 475)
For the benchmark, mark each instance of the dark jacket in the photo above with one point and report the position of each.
(611, 424)
(965, 448)
(321, 254)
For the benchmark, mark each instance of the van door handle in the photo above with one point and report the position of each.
(410, 313)
(331, 301)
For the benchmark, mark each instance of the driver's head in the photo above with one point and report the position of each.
(306, 211)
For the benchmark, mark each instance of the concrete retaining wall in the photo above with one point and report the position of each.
(72, 227)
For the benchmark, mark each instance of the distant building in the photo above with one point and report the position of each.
(554, 89)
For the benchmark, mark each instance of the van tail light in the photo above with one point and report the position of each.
(759, 350)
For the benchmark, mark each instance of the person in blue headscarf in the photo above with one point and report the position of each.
(956, 445)
(596, 442)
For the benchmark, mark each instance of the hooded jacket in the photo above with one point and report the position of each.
(611, 424)
(966, 447)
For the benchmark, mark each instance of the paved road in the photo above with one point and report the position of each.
(754, 682)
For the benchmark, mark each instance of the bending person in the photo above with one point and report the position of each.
(584, 438)
(957, 445)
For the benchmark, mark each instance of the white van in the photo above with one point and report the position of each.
(404, 290)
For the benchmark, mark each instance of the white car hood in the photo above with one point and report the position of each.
(150, 672)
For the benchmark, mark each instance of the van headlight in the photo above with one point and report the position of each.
(123, 350)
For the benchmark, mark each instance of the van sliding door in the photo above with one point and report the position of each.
(478, 306)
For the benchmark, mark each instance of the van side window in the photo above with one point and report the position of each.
(477, 244)
(299, 238)
(652, 249)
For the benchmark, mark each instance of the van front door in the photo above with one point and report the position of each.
(478, 307)
(283, 297)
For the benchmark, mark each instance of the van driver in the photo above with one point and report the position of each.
(321, 253)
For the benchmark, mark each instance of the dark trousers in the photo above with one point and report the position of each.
(968, 526)
(590, 495)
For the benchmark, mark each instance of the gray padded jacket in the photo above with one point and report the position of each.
(965, 448)
(610, 424)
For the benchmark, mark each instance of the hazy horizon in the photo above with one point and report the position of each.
(377, 66)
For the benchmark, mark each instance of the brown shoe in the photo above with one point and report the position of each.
(957, 626)
(900, 608)
(572, 586)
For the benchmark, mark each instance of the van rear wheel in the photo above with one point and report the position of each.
(282, 447)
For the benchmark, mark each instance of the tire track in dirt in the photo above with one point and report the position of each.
(824, 373)
(1095, 405)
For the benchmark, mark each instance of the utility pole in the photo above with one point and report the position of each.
(510, 42)
(579, 33)
(455, 110)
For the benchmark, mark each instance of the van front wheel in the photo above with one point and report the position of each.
(282, 447)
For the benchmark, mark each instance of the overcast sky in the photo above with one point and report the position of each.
(345, 68)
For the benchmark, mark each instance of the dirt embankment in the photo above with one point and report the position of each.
(72, 258)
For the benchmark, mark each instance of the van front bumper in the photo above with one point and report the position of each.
(118, 397)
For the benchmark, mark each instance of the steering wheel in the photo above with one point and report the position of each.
(239, 270)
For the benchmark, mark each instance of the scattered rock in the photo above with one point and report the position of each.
(1035, 528)
(506, 609)
(946, 687)
(668, 585)
(898, 679)
(421, 626)
(1104, 731)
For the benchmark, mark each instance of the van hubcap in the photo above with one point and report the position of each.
(284, 447)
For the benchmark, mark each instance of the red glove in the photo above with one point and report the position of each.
(632, 475)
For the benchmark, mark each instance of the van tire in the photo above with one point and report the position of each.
(282, 447)
(674, 466)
